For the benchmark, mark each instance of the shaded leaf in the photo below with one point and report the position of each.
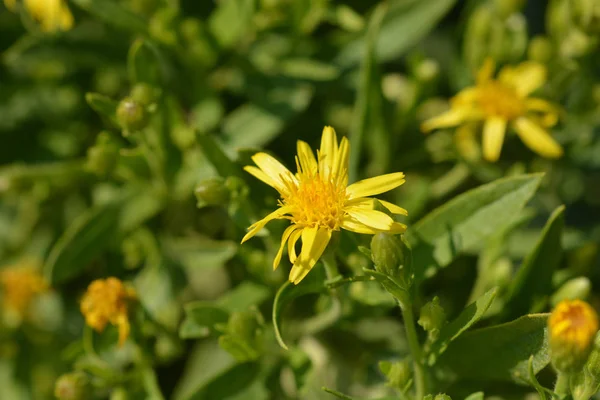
(467, 221)
(87, 237)
(534, 278)
(142, 63)
(103, 105)
(501, 352)
(404, 25)
(469, 316)
(114, 13)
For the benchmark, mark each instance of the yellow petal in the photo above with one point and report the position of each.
(314, 242)
(361, 202)
(273, 168)
(466, 143)
(257, 226)
(292, 245)
(393, 208)
(352, 225)
(306, 157)
(493, 137)
(524, 78)
(486, 71)
(284, 238)
(124, 328)
(397, 228)
(537, 139)
(372, 218)
(376, 185)
(453, 117)
(258, 173)
(340, 165)
(327, 151)
(548, 110)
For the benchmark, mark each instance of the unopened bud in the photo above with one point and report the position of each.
(432, 317)
(593, 362)
(211, 192)
(119, 394)
(540, 49)
(507, 7)
(572, 327)
(131, 115)
(442, 396)
(144, 94)
(72, 386)
(387, 253)
(576, 288)
(398, 373)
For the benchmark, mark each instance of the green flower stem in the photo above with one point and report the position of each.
(414, 346)
(561, 388)
(331, 268)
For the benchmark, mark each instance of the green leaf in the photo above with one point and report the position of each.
(201, 317)
(87, 237)
(341, 395)
(534, 279)
(253, 125)
(501, 352)
(199, 252)
(213, 151)
(469, 316)
(145, 203)
(475, 396)
(229, 383)
(313, 283)
(103, 105)
(114, 13)
(368, 107)
(406, 22)
(304, 68)
(231, 21)
(244, 295)
(467, 220)
(143, 64)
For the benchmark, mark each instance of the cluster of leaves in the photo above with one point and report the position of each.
(123, 141)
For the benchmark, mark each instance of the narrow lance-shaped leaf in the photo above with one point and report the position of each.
(534, 278)
(83, 240)
(467, 220)
(114, 13)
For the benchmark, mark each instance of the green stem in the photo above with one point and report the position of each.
(561, 387)
(414, 346)
(331, 268)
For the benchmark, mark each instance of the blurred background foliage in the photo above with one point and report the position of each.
(122, 141)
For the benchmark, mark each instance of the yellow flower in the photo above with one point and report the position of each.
(572, 325)
(53, 15)
(107, 300)
(500, 103)
(20, 285)
(318, 201)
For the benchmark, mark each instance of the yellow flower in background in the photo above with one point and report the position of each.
(52, 15)
(572, 326)
(106, 301)
(318, 201)
(502, 103)
(20, 285)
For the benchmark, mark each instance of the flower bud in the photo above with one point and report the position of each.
(576, 288)
(387, 253)
(398, 373)
(572, 327)
(442, 396)
(540, 49)
(593, 362)
(508, 7)
(131, 115)
(144, 94)
(72, 386)
(243, 335)
(432, 317)
(119, 394)
(212, 192)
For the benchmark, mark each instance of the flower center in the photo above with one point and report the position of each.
(316, 202)
(500, 100)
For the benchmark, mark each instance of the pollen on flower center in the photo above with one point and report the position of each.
(500, 100)
(316, 202)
